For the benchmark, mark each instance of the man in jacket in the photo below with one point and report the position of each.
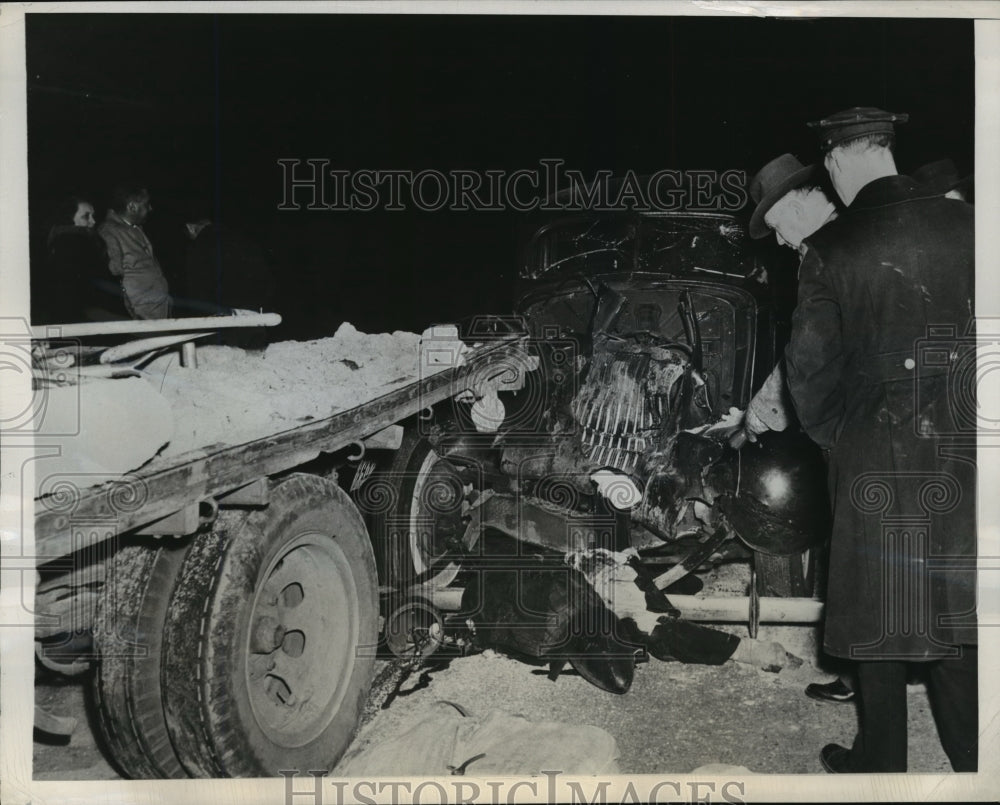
(881, 373)
(130, 254)
(791, 203)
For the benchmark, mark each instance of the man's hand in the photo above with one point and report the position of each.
(737, 427)
(724, 428)
(752, 428)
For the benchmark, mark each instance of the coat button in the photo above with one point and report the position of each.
(909, 363)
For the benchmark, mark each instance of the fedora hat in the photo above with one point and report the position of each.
(776, 178)
(941, 176)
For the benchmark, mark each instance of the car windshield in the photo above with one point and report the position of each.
(590, 245)
(691, 244)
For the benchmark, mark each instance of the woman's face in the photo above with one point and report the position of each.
(84, 215)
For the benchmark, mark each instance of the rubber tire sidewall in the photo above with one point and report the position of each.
(380, 512)
(128, 637)
(218, 727)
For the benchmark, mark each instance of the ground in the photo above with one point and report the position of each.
(674, 719)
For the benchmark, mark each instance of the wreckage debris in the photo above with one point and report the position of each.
(552, 614)
(591, 614)
(623, 587)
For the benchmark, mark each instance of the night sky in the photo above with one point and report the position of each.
(201, 107)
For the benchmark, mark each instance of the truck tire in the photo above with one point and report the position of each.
(128, 637)
(791, 576)
(414, 509)
(270, 645)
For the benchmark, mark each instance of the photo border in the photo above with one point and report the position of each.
(16, 514)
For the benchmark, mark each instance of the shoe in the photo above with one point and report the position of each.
(835, 758)
(613, 674)
(835, 691)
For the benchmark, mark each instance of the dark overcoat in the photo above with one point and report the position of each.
(76, 265)
(881, 369)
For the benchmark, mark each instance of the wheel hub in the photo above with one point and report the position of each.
(302, 637)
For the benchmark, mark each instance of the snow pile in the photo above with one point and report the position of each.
(235, 396)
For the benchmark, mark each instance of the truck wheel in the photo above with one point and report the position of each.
(271, 642)
(128, 637)
(414, 508)
(791, 576)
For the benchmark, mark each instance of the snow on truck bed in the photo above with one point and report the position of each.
(235, 396)
(103, 429)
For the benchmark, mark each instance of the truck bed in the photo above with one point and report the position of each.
(167, 486)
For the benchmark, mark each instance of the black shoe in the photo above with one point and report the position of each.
(835, 691)
(835, 758)
(613, 674)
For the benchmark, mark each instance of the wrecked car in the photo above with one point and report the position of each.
(650, 332)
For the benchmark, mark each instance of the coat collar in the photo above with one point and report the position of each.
(69, 230)
(120, 219)
(888, 190)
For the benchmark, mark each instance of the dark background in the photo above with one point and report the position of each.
(201, 107)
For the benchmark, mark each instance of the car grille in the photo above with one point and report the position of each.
(622, 406)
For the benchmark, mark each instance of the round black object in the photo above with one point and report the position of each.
(781, 504)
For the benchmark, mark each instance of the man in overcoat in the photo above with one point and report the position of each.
(881, 370)
(792, 204)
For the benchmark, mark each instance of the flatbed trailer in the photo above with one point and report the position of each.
(231, 592)
(175, 488)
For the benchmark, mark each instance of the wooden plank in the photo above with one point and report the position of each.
(161, 489)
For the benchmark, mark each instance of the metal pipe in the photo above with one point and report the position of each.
(693, 608)
(735, 610)
(189, 358)
(144, 346)
(75, 330)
